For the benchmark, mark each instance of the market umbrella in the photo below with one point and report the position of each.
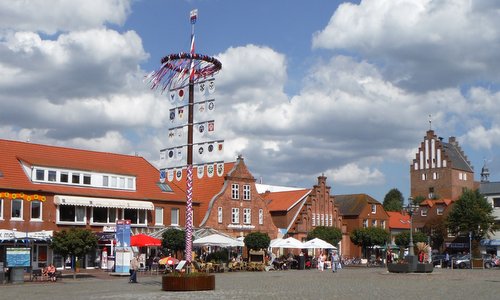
(169, 260)
(288, 243)
(144, 240)
(218, 240)
(318, 243)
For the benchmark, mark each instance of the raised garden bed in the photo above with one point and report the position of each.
(188, 282)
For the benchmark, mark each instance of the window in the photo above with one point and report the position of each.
(64, 177)
(331, 220)
(247, 216)
(17, 209)
(439, 210)
(261, 216)
(435, 175)
(105, 180)
(40, 174)
(235, 191)
(1, 209)
(450, 233)
(423, 212)
(72, 214)
(113, 181)
(52, 176)
(36, 210)
(75, 178)
(365, 223)
(164, 187)
(374, 209)
(121, 182)
(374, 223)
(313, 219)
(158, 215)
(235, 215)
(219, 214)
(431, 193)
(424, 176)
(86, 179)
(112, 215)
(100, 215)
(465, 176)
(382, 224)
(174, 216)
(130, 184)
(496, 203)
(136, 216)
(246, 192)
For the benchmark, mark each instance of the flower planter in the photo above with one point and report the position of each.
(424, 268)
(190, 282)
(398, 268)
(477, 263)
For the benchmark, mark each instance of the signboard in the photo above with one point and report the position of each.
(18, 257)
(123, 233)
(180, 265)
(35, 235)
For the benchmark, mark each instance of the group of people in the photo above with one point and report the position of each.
(334, 259)
(50, 272)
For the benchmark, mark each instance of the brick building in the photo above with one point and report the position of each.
(45, 189)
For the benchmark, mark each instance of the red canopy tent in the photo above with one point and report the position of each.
(144, 240)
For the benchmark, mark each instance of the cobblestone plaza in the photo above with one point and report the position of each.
(349, 283)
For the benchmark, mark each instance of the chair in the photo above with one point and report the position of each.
(36, 275)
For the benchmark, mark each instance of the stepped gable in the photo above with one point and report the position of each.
(351, 205)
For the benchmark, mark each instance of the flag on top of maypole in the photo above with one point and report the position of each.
(193, 17)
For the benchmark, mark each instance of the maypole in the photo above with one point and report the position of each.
(177, 71)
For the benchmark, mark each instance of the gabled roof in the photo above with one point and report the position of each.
(431, 202)
(397, 220)
(14, 177)
(284, 201)
(351, 205)
(458, 159)
(489, 188)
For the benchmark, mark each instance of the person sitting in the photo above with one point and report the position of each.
(51, 272)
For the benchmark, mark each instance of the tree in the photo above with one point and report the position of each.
(403, 238)
(173, 240)
(393, 200)
(471, 214)
(371, 236)
(74, 243)
(257, 240)
(331, 235)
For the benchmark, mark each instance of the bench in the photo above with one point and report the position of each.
(37, 275)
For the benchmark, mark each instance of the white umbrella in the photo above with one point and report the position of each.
(318, 243)
(288, 243)
(217, 240)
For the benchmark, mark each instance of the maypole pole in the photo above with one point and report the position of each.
(176, 72)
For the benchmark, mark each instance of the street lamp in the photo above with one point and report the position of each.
(411, 208)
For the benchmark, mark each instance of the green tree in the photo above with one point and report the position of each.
(403, 239)
(257, 240)
(74, 243)
(471, 213)
(367, 237)
(393, 200)
(331, 235)
(173, 240)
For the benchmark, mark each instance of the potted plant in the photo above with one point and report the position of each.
(188, 281)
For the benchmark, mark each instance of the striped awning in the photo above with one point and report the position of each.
(102, 202)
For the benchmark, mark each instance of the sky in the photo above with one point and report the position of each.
(307, 88)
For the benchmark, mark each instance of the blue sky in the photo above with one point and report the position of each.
(307, 87)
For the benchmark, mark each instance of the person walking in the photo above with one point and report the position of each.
(446, 260)
(134, 266)
(335, 261)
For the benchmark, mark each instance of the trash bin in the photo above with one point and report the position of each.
(302, 262)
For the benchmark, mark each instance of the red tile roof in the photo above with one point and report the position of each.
(431, 203)
(398, 221)
(284, 201)
(14, 177)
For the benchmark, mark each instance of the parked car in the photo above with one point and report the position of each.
(463, 262)
(438, 259)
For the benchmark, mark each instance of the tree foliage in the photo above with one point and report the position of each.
(257, 240)
(403, 238)
(393, 200)
(173, 240)
(331, 235)
(75, 242)
(371, 236)
(471, 213)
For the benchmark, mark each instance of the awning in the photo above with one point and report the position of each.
(102, 202)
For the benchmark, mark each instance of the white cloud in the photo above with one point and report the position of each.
(352, 174)
(51, 16)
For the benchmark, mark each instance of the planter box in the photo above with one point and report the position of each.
(477, 263)
(188, 283)
(424, 268)
(399, 268)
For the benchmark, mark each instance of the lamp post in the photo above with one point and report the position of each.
(411, 208)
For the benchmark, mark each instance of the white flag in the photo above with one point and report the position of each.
(180, 94)
(211, 127)
(200, 171)
(163, 155)
(211, 86)
(178, 154)
(178, 174)
(171, 96)
(220, 169)
(210, 170)
(170, 175)
(201, 107)
(211, 105)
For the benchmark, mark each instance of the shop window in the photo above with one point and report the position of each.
(17, 209)
(112, 215)
(36, 210)
(72, 214)
(174, 216)
(100, 215)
